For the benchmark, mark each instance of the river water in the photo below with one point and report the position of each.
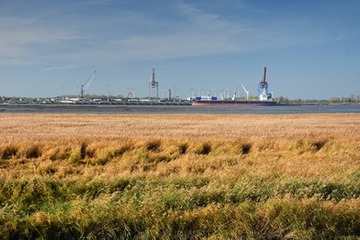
(170, 109)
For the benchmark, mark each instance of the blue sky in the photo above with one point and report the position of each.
(310, 47)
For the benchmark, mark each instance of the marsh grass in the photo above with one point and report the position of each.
(204, 149)
(9, 152)
(297, 183)
(153, 145)
(183, 148)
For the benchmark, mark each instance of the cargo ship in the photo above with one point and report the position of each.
(213, 102)
(264, 98)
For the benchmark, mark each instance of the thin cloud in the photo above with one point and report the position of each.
(56, 68)
(25, 40)
(127, 35)
(197, 33)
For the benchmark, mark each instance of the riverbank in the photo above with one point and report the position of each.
(174, 109)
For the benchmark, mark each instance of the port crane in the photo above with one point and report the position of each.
(153, 84)
(86, 85)
(247, 92)
(263, 92)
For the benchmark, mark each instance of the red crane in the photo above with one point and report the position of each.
(263, 81)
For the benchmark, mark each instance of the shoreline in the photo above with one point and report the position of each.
(175, 109)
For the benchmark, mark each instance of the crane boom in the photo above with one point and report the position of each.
(247, 92)
(86, 85)
(244, 88)
(264, 78)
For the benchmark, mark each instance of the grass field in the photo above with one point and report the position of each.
(84, 176)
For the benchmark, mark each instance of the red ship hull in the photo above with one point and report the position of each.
(234, 103)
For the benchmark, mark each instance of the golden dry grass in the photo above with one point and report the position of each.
(304, 145)
(34, 127)
(254, 172)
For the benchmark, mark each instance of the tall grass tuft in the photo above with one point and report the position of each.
(75, 155)
(183, 148)
(9, 152)
(317, 145)
(153, 145)
(204, 149)
(33, 152)
(83, 147)
(55, 153)
(121, 150)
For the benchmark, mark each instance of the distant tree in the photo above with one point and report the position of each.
(282, 99)
(334, 99)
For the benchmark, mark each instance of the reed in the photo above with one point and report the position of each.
(180, 176)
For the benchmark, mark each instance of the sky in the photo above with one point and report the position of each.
(50, 48)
